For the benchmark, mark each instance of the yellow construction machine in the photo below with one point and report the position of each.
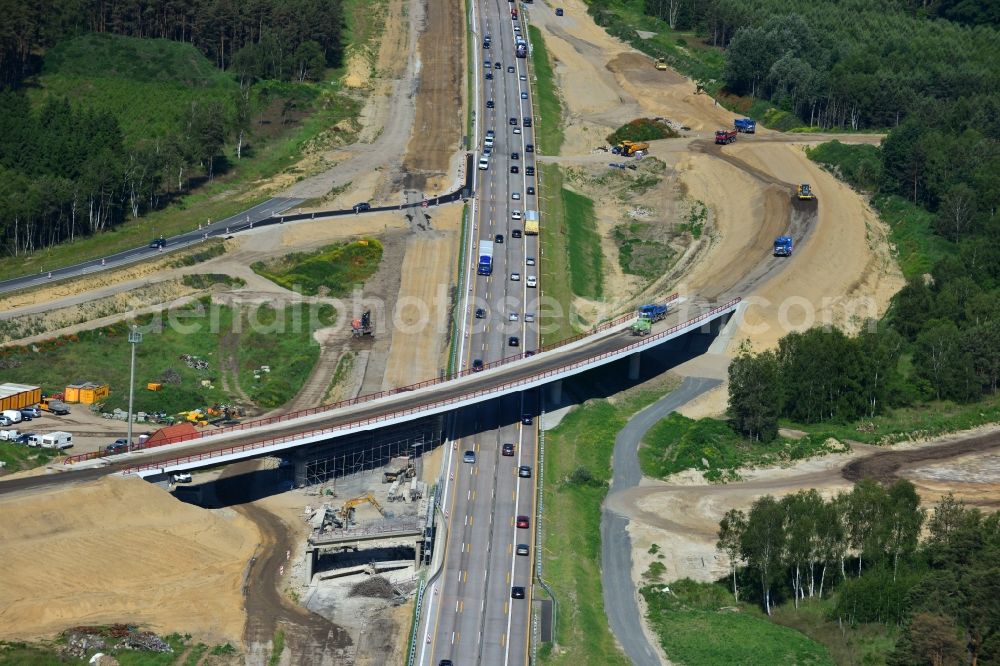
(661, 64)
(346, 513)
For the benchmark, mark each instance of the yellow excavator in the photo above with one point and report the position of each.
(661, 64)
(346, 513)
(628, 148)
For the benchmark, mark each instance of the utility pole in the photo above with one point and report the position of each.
(134, 338)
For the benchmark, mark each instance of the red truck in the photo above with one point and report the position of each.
(513, 14)
(725, 136)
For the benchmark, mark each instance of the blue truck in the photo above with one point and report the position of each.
(485, 258)
(745, 125)
(653, 312)
(783, 246)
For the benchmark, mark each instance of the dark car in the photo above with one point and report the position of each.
(512, 121)
(523, 522)
(522, 549)
(445, 662)
(530, 148)
(527, 419)
(517, 592)
(530, 190)
(510, 69)
(515, 169)
(498, 238)
(362, 207)
(529, 170)
(527, 122)
(507, 449)
(158, 242)
(529, 353)
(489, 76)
(477, 365)
(489, 104)
(486, 43)
(480, 313)
(514, 341)
(515, 233)
(524, 472)
(120, 445)
(498, 66)
(559, 11)
(24, 437)
(515, 156)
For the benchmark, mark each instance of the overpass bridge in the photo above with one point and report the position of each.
(605, 344)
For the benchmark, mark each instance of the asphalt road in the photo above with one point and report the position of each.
(621, 604)
(476, 620)
(262, 211)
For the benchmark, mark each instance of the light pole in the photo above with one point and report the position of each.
(134, 338)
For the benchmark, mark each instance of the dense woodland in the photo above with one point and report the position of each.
(866, 546)
(68, 167)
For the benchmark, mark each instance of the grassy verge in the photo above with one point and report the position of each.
(548, 129)
(50, 654)
(859, 643)
(699, 624)
(344, 366)
(917, 421)
(207, 280)
(19, 457)
(334, 268)
(584, 246)
(678, 443)
(577, 472)
(201, 330)
(278, 648)
(554, 259)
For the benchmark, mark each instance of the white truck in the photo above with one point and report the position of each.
(13, 414)
(9, 435)
(57, 440)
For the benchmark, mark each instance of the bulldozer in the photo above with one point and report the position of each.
(346, 512)
(804, 192)
(628, 148)
(661, 64)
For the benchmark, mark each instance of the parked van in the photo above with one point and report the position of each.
(33, 412)
(9, 435)
(484, 163)
(57, 440)
(13, 414)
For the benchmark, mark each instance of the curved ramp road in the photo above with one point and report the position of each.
(621, 603)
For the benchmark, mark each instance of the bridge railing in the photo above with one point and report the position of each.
(434, 404)
(368, 397)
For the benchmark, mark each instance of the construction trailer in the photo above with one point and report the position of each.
(363, 326)
(17, 396)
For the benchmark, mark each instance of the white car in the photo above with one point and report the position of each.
(513, 316)
(523, 77)
(530, 261)
(532, 281)
(516, 196)
(524, 95)
(180, 477)
(529, 317)
(515, 277)
(517, 130)
(515, 214)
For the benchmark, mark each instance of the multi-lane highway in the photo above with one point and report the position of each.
(475, 619)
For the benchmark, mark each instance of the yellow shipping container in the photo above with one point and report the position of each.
(16, 396)
(87, 393)
(153, 386)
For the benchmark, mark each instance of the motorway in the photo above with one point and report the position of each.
(475, 620)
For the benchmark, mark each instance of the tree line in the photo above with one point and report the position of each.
(866, 544)
(267, 38)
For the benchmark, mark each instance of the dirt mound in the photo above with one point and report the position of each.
(376, 586)
(121, 550)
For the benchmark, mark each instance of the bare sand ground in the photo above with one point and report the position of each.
(159, 562)
(421, 327)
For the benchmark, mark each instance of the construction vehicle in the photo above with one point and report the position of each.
(531, 222)
(805, 193)
(642, 327)
(628, 148)
(725, 136)
(53, 406)
(653, 312)
(346, 513)
(661, 64)
(363, 326)
(783, 246)
(485, 258)
(745, 125)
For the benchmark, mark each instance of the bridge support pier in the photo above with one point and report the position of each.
(633, 367)
(300, 463)
(310, 563)
(555, 392)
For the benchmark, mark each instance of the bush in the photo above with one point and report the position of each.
(642, 129)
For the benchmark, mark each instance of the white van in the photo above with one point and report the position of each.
(57, 440)
(13, 414)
